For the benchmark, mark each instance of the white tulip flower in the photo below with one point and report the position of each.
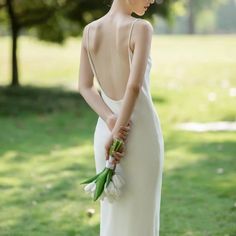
(105, 177)
(108, 188)
(117, 182)
(90, 187)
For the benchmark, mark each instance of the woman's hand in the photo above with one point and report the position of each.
(122, 134)
(117, 155)
(111, 121)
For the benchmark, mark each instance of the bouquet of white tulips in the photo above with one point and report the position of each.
(107, 183)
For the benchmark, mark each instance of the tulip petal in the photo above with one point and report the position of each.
(117, 181)
(121, 179)
(89, 187)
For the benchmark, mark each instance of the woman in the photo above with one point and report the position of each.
(116, 50)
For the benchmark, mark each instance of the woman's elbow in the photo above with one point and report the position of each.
(135, 88)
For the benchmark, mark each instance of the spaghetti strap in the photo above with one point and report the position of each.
(92, 65)
(89, 56)
(129, 38)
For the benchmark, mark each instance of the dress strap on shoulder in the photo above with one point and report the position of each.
(129, 38)
(87, 37)
(131, 28)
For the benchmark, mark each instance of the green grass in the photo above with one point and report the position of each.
(47, 134)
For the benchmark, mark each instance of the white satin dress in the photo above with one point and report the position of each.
(137, 212)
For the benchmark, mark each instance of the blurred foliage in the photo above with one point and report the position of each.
(226, 17)
(199, 17)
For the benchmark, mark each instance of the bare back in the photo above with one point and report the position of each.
(109, 43)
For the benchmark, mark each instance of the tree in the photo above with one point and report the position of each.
(55, 20)
(23, 14)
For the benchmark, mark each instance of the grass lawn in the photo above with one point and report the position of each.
(47, 135)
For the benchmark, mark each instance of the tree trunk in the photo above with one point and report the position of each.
(191, 19)
(15, 75)
(14, 32)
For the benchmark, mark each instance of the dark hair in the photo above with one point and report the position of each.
(108, 2)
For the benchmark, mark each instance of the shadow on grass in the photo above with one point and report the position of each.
(29, 100)
(45, 118)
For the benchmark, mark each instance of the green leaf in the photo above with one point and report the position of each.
(109, 176)
(93, 178)
(90, 179)
(99, 186)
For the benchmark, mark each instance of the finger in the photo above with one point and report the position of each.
(120, 134)
(119, 155)
(124, 132)
(116, 158)
(116, 161)
(123, 136)
(125, 128)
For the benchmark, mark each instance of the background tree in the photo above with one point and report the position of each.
(21, 15)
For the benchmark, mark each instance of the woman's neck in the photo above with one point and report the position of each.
(119, 7)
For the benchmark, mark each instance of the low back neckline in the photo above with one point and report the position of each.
(130, 54)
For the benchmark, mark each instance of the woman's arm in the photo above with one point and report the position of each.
(142, 35)
(86, 86)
